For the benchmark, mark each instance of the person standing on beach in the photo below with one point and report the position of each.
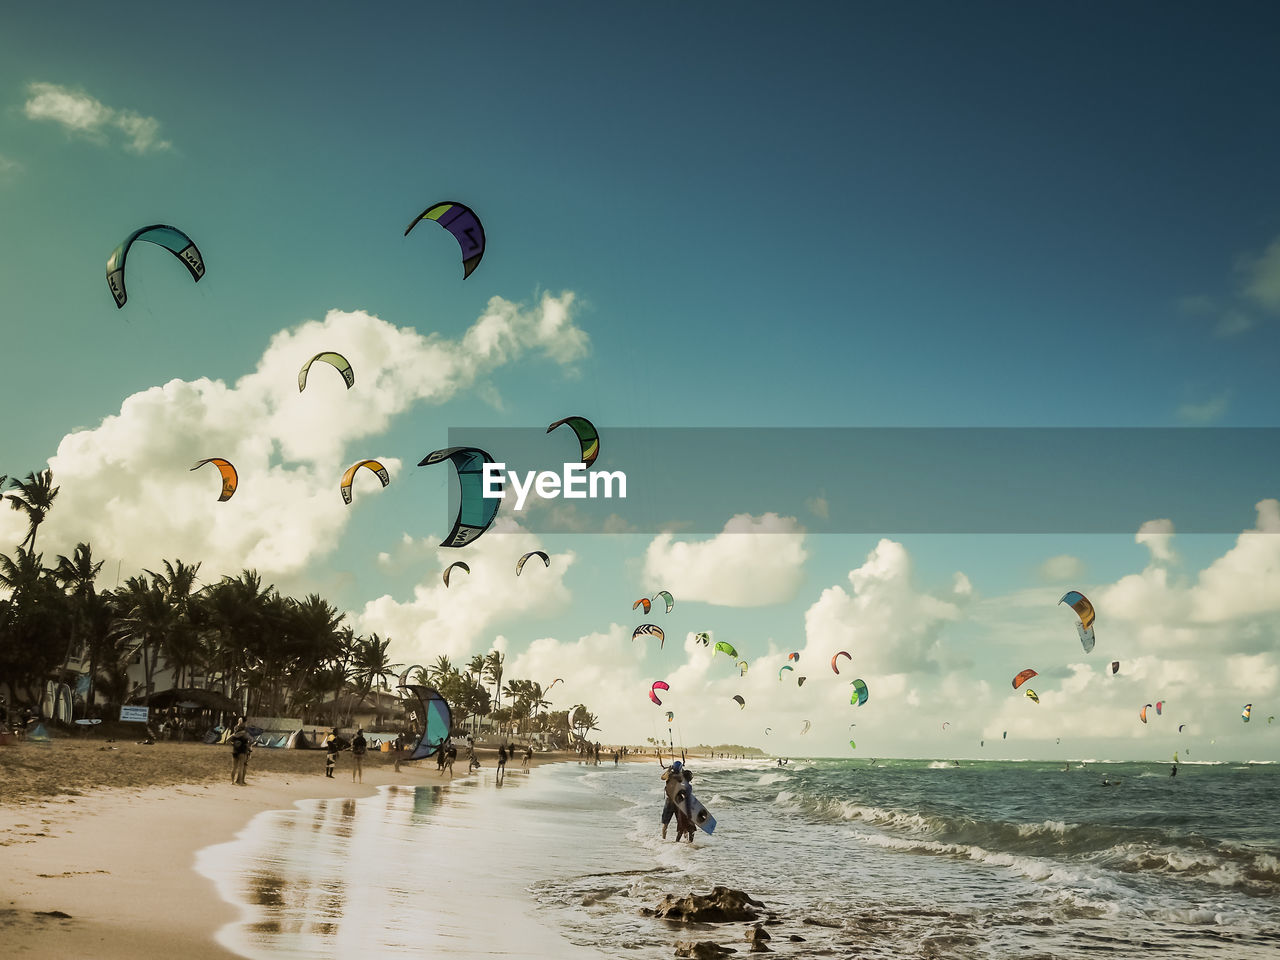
(358, 747)
(397, 750)
(674, 779)
(331, 749)
(502, 761)
(528, 755)
(239, 752)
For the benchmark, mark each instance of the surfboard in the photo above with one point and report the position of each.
(695, 811)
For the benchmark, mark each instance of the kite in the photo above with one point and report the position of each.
(1244, 714)
(337, 360)
(461, 221)
(742, 668)
(1115, 667)
(432, 714)
(1159, 707)
(768, 730)
(945, 724)
(794, 657)
(171, 238)
(1180, 726)
(553, 683)
(1081, 605)
(725, 647)
(1005, 735)
(229, 477)
(805, 728)
(588, 437)
(475, 511)
(852, 745)
(738, 699)
(657, 685)
(349, 476)
(1142, 714)
(702, 638)
(1023, 677)
(1032, 695)
(670, 716)
(860, 693)
(449, 569)
(546, 561)
(800, 681)
(842, 653)
(785, 666)
(671, 601)
(642, 602)
(649, 630)
(1270, 719)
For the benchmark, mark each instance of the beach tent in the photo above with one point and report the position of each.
(298, 740)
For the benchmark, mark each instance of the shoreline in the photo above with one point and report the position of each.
(107, 868)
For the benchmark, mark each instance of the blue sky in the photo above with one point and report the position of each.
(749, 214)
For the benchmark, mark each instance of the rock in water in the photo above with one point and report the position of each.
(721, 905)
(702, 949)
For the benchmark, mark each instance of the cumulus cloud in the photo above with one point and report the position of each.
(752, 562)
(126, 486)
(1061, 568)
(457, 621)
(1157, 536)
(883, 620)
(79, 113)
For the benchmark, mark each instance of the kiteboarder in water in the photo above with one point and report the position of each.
(675, 777)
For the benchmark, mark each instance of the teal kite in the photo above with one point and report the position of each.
(171, 238)
(588, 437)
(475, 511)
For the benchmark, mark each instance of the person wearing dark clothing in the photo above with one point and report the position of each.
(358, 747)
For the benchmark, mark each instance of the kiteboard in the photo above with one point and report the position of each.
(695, 811)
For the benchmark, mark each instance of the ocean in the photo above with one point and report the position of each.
(897, 858)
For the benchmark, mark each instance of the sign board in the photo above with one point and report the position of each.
(134, 714)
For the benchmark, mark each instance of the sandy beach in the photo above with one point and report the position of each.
(99, 839)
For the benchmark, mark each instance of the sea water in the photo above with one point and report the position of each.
(897, 859)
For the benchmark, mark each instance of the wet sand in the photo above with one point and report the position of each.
(98, 845)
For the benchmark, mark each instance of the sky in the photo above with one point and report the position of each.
(721, 216)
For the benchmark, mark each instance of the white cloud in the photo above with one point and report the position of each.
(1209, 411)
(457, 621)
(82, 114)
(1262, 278)
(1157, 536)
(8, 167)
(125, 485)
(1063, 567)
(883, 621)
(753, 562)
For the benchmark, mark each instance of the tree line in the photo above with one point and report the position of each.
(274, 654)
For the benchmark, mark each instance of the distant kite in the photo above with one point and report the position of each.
(642, 602)
(657, 685)
(461, 221)
(671, 601)
(1023, 677)
(588, 437)
(860, 693)
(842, 653)
(449, 569)
(649, 630)
(171, 238)
(229, 477)
(347, 478)
(336, 360)
(546, 561)
(737, 698)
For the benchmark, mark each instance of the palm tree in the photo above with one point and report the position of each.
(475, 667)
(440, 671)
(76, 575)
(373, 665)
(493, 662)
(35, 496)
